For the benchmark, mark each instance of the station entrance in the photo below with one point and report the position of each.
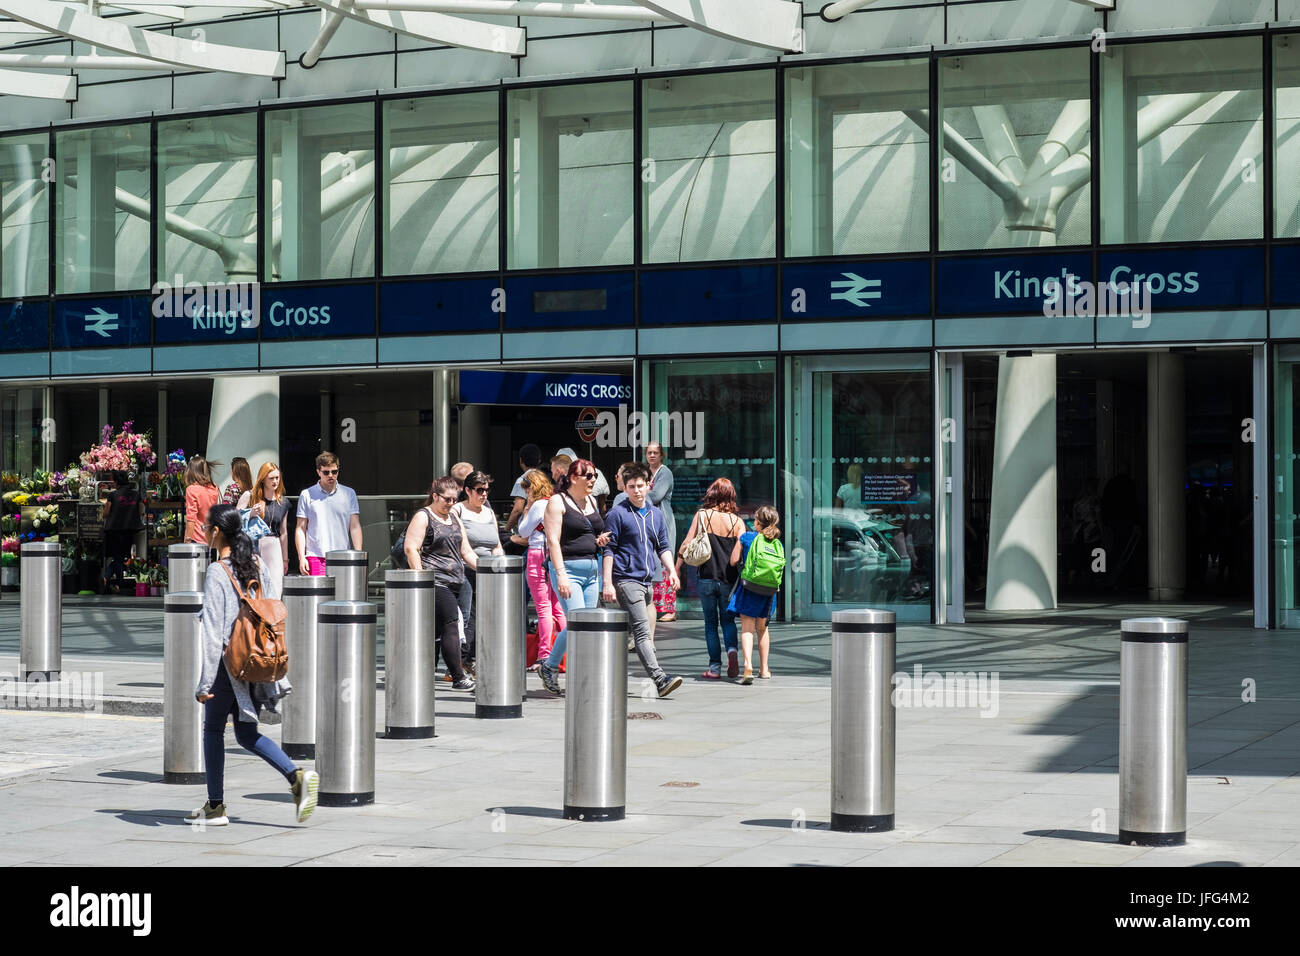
(1113, 478)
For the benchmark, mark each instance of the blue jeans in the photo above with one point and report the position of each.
(215, 712)
(584, 582)
(713, 602)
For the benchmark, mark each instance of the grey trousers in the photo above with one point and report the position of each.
(634, 598)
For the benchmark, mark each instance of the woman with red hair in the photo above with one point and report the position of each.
(718, 519)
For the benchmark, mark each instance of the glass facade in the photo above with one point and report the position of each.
(857, 163)
(320, 184)
(25, 174)
(1286, 135)
(1286, 473)
(1182, 141)
(441, 178)
(571, 178)
(708, 178)
(1016, 140)
(207, 173)
(102, 209)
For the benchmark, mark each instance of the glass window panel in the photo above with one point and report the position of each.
(102, 209)
(1015, 147)
(709, 172)
(572, 175)
(1286, 128)
(320, 192)
(1182, 139)
(857, 158)
(24, 216)
(207, 170)
(441, 178)
(21, 412)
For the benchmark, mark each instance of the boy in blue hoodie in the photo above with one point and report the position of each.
(638, 542)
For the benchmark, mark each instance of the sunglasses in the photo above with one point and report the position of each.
(481, 491)
(329, 471)
(449, 498)
(590, 476)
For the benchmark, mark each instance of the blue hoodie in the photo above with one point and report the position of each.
(636, 541)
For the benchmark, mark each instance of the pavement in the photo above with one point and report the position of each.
(717, 775)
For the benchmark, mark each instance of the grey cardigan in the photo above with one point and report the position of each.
(217, 620)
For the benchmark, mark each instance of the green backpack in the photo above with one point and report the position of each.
(764, 566)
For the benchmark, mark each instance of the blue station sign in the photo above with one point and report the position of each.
(1201, 278)
(1005, 285)
(24, 326)
(317, 312)
(858, 290)
(544, 388)
(443, 305)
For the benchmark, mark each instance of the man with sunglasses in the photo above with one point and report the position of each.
(329, 518)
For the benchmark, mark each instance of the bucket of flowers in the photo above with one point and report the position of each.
(173, 489)
(9, 546)
(156, 576)
(46, 520)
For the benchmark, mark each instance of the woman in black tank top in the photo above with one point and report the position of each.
(718, 519)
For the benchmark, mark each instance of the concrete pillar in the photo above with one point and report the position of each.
(1022, 523)
(442, 450)
(472, 435)
(245, 421)
(1166, 477)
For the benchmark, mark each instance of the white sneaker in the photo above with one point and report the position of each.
(208, 815)
(304, 793)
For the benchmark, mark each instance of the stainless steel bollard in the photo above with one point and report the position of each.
(187, 567)
(182, 668)
(1153, 731)
(345, 703)
(40, 592)
(303, 596)
(862, 720)
(595, 716)
(409, 650)
(499, 637)
(348, 569)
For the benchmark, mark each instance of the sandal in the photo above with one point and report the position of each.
(767, 676)
(668, 618)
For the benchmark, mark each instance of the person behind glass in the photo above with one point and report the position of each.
(436, 541)
(753, 608)
(530, 456)
(200, 495)
(638, 545)
(575, 534)
(532, 534)
(224, 696)
(123, 520)
(241, 481)
(718, 519)
(661, 496)
(266, 500)
(480, 523)
(329, 518)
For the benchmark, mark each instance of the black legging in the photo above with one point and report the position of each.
(446, 606)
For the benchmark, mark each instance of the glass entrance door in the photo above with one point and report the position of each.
(860, 496)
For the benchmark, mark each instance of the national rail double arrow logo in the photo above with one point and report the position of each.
(101, 322)
(854, 287)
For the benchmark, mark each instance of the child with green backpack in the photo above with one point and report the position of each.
(762, 566)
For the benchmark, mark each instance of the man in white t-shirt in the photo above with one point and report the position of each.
(601, 487)
(328, 518)
(530, 456)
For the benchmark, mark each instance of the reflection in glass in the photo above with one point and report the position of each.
(1182, 139)
(207, 172)
(101, 209)
(1016, 167)
(857, 158)
(24, 215)
(1286, 127)
(709, 170)
(440, 184)
(572, 178)
(320, 185)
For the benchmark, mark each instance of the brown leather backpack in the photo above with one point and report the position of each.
(257, 652)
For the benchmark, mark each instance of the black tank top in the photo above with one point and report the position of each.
(719, 566)
(578, 531)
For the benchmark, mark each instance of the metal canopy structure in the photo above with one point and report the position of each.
(146, 35)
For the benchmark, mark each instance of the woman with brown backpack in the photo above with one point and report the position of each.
(223, 695)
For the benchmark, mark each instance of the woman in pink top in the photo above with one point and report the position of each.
(200, 495)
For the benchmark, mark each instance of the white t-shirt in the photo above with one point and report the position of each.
(328, 518)
(531, 523)
(519, 491)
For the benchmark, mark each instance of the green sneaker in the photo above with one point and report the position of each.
(304, 793)
(208, 815)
